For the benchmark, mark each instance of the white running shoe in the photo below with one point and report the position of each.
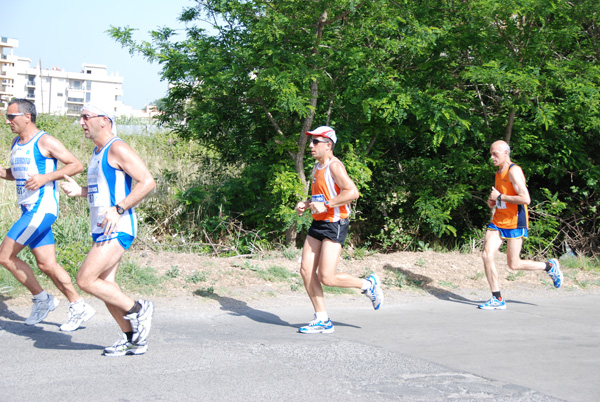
(317, 327)
(141, 322)
(123, 347)
(77, 317)
(374, 292)
(40, 310)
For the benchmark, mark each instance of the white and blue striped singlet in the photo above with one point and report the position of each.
(107, 186)
(27, 160)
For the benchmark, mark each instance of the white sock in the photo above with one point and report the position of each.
(78, 304)
(322, 316)
(366, 285)
(43, 296)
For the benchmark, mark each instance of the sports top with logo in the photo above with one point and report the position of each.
(509, 216)
(324, 189)
(107, 186)
(26, 160)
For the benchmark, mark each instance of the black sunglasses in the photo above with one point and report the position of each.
(316, 141)
(11, 116)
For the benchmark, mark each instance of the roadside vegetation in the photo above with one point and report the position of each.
(417, 93)
(166, 224)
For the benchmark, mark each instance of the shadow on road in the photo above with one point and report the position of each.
(241, 308)
(425, 283)
(43, 339)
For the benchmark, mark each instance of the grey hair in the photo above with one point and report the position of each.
(25, 106)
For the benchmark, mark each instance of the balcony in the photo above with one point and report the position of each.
(73, 110)
(76, 101)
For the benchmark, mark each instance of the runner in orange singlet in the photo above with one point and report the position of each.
(332, 191)
(510, 222)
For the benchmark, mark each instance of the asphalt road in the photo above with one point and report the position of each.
(423, 349)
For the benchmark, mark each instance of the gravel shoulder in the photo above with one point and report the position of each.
(405, 276)
(261, 280)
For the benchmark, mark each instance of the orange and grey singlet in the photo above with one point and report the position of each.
(509, 216)
(324, 188)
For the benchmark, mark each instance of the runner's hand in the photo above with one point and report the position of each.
(70, 187)
(36, 181)
(301, 207)
(111, 218)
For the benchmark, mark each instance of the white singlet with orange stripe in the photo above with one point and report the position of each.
(323, 189)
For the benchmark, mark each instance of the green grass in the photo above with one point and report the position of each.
(247, 265)
(196, 277)
(173, 273)
(9, 286)
(400, 280)
(134, 278)
(338, 291)
(478, 275)
(277, 274)
(513, 276)
(291, 253)
(205, 292)
(448, 284)
(581, 263)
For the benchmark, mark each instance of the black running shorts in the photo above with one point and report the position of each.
(334, 231)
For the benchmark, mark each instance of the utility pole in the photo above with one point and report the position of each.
(41, 89)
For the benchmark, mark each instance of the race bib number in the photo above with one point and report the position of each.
(21, 188)
(93, 198)
(317, 198)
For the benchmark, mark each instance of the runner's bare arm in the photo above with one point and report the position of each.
(348, 192)
(53, 148)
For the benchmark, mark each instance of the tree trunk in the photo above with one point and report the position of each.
(509, 126)
(291, 233)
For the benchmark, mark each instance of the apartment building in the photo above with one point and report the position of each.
(55, 91)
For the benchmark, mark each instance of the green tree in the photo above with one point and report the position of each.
(417, 91)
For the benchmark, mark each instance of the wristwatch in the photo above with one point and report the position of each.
(120, 209)
(500, 197)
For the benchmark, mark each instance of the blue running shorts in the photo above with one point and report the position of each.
(510, 233)
(33, 229)
(124, 239)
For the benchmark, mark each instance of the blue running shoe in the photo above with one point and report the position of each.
(374, 292)
(493, 304)
(555, 272)
(317, 327)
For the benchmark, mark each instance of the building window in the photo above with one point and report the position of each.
(88, 96)
(30, 93)
(88, 85)
(76, 85)
(59, 94)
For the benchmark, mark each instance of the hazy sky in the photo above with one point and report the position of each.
(67, 33)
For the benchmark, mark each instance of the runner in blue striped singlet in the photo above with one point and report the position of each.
(111, 195)
(34, 157)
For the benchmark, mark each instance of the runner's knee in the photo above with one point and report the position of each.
(327, 279)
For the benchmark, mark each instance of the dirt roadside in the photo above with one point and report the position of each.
(262, 280)
(404, 275)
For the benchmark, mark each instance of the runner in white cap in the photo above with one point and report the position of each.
(332, 192)
(113, 169)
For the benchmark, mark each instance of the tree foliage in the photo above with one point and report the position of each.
(417, 92)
